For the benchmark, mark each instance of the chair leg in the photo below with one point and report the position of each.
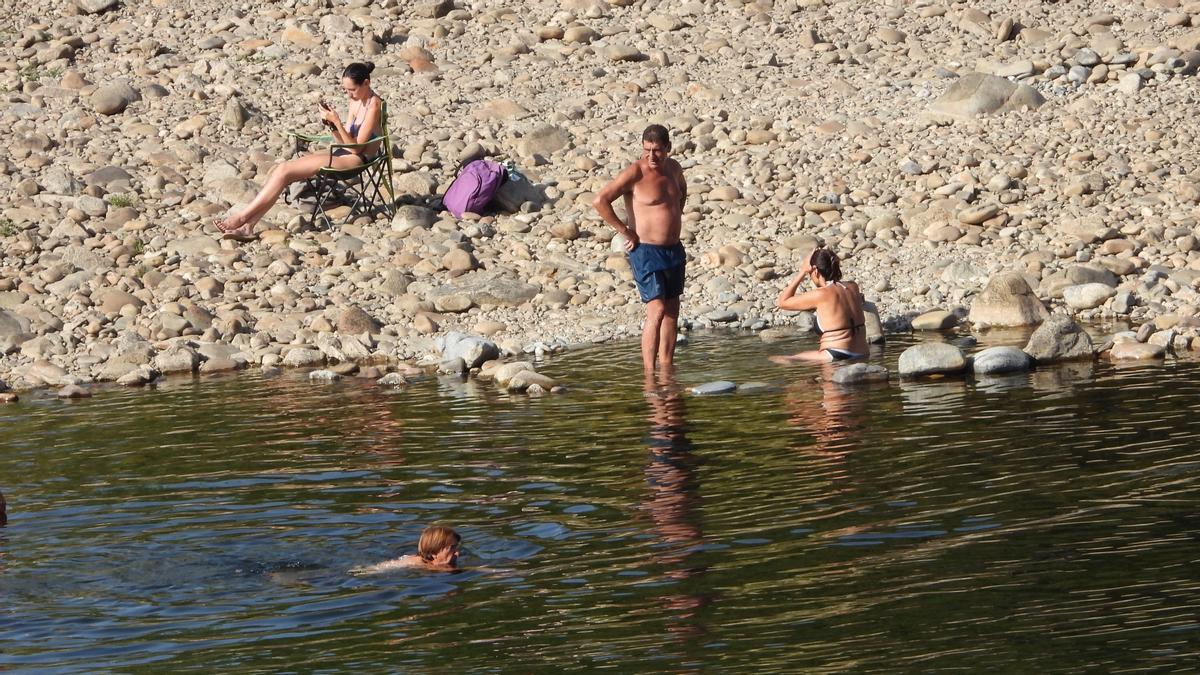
(354, 188)
(325, 190)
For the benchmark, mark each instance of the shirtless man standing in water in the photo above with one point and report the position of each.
(654, 192)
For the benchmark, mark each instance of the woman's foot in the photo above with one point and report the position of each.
(244, 233)
(230, 224)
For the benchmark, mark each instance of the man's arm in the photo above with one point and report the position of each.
(618, 187)
(682, 186)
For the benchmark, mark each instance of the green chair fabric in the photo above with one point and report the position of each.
(365, 187)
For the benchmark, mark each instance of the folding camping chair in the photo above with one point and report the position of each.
(364, 186)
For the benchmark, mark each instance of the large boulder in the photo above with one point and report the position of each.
(931, 358)
(873, 325)
(1059, 338)
(1007, 300)
(472, 349)
(995, 360)
(977, 94)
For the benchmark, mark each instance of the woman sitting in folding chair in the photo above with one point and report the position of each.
(364, 113)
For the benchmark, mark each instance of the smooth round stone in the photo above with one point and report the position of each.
(858, 373)
(1087, 57)
(931, 358)
(995, 360)
(711, 388)
(756, 388)
(1136, 351)
(938, 319)
(324, 376)
(1087, 296)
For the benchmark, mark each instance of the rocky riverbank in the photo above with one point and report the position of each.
(933, 144)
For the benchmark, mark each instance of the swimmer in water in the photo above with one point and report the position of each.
(437, 550)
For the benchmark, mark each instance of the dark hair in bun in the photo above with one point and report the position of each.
(826, 262)
(359, 72)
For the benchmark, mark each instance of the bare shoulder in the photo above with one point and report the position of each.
(403, 562)
(676, 168)
(630, 175)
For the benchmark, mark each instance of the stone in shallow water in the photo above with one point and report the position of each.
(999, 360)
(74, 391)
(453, 366)
(931, 358)
(324, 376)
(392, 380)
(756, 388)
(857, 373)
(303, 357)
(472, 349)
(1059, 338)
(717, 387)
(1136, 351)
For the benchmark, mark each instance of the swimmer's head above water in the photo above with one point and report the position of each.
(439, 547)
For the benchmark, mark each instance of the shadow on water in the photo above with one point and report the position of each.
(1035, 521)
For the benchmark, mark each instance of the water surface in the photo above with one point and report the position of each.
(1043, 521)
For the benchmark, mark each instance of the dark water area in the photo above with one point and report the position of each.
(1046, 521)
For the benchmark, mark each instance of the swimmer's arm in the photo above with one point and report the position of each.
(797, 303)
(403, 562)
(619, 186)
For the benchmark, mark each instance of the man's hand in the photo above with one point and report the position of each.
(631, 240)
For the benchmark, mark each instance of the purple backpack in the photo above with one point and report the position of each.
(474, 187)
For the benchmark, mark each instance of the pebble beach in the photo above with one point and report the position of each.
(987, 162)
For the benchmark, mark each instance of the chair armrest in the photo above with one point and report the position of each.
(311, 138)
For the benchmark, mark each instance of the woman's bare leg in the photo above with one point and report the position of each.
(814, 356)
(280, 177)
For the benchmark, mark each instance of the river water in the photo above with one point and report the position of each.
(1046, 521)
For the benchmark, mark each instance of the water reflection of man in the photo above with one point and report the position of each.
(673, 500)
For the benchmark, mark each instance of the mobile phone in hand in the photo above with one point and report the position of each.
(324, 105)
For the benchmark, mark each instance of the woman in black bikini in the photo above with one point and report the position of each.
(364, 114)
(837, 303)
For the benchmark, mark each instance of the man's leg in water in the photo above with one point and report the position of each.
(669, 328)
(655, 309)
